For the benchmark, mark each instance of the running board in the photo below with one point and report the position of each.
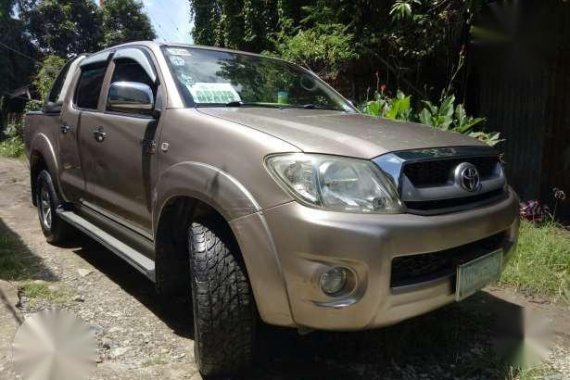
(142, 263)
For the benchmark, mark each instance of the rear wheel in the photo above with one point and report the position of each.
(224, 310)
(54, 228)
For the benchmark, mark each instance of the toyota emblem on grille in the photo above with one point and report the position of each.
(467, 177)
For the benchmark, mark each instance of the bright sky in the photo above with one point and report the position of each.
(170, 19)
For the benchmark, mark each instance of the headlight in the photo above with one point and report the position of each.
(335, 183)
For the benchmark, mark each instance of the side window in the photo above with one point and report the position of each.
(89, 86)
(130, 71)
(55, 93)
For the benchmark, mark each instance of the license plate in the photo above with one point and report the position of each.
(478, 273)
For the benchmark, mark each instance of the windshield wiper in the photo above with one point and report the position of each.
(235, 103)
(312, 106)
(239, 103)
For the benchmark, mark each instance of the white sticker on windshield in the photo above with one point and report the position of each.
(176, 60)
(179, 51)
(213, 93)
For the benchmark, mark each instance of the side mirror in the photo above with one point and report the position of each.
(132, 97)
(52, 107)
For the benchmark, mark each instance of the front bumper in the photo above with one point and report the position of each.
(305, 241)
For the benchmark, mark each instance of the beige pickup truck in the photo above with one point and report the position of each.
(252, 186)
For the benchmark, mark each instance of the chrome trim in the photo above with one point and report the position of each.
(448, 191)
(392, 166)
(393, 163)
(130, 96)
(467, 177)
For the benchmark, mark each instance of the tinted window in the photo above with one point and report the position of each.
(127, 70)
(89, 87)
(55, 92)
(130, 71)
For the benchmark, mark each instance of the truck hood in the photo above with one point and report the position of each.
(339, 133)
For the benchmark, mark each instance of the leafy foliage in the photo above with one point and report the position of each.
(17, 54)
(412, 43)
(402, 9)
(12, 144)
(50, 67)
(125, 21)
(324, 48)
(398, 108)
(64, 27)
(69, 27)
(445, 116)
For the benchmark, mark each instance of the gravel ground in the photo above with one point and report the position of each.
(141, 335)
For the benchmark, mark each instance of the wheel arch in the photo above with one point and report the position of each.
(42, 156)
(188, 190)
(171, 240)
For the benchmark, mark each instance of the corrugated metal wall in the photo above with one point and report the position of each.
(523, 89)
(556, 157)
(516, 107)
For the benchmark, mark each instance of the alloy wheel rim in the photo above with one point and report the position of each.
(45, 207)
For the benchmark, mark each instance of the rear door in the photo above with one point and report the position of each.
(58, 102)
(117, 148)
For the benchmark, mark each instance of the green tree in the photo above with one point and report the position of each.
(411, 44)
(50, 67)
(206, 17)
(6, 7)
(63, 27)
(124, 21)
(17, 55)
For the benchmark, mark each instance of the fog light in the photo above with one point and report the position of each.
(334, 280)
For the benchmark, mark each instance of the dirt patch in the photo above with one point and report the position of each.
(142, 335)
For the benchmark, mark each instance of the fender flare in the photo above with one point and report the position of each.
(206, 183)
(42, 146)
(236, 204)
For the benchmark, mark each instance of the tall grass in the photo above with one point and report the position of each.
(541, 265)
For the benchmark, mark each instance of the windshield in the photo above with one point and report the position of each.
(216, 78)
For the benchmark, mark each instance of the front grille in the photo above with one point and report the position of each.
(437, 173)
(442, 206)
(415, 269)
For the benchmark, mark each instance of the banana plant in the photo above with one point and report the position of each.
(446, 116)
(438, 116)
(398, 108)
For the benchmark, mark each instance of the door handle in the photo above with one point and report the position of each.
(99, 134)
(65, 129)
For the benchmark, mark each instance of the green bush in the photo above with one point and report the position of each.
(445, 116)
(12, 145)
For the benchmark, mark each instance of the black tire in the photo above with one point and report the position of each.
(224, 309)
(47, 200)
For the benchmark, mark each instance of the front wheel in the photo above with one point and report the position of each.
(54, 228)
(224, 310)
